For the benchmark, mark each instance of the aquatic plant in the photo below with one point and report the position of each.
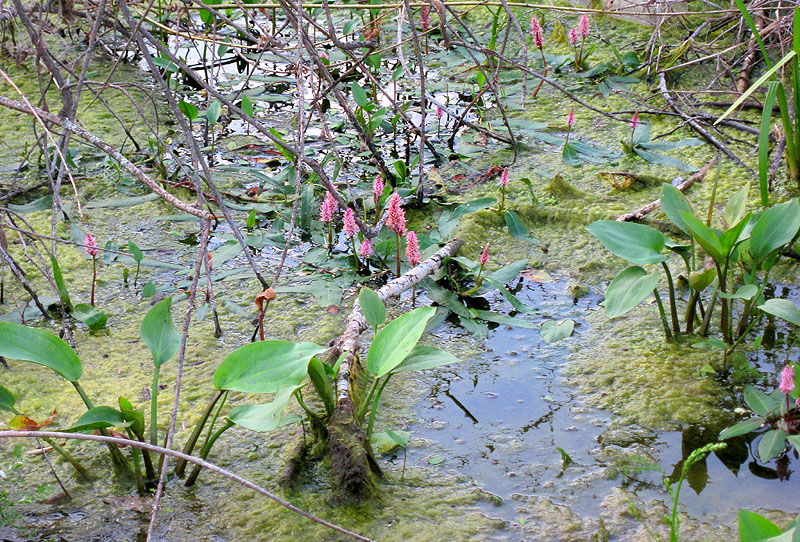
(503, 184)
(754, 527)
(396, 222)
(753, 242)
(90, 245)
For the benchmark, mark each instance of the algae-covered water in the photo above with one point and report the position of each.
(522, 440)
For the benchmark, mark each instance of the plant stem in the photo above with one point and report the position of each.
(375, 406)
(68, 458)
(192, 478)
(94, 277)
(180, 466)
(398, 253)
(154, 409)
(365, 404)
(667, 332)
(676, 330)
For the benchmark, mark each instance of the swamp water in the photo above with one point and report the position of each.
(484, 460)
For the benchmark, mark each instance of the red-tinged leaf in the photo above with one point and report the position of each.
(21, 422)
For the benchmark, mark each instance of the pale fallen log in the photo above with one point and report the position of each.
(352, 463)
(653, 205)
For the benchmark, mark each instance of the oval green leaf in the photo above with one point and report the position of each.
(91, 316)
(7, 401)
(777, 226)
(372, 307)
(628, 289)
(38, 346)
(742, 428)
(135, 252)
(782, 308)
(425, 357)
(100, 417)
(635, 243)
(395, 342)
(265, 366)
(159, 334)
(267, 417)
(755, 527)
(771, 444)
(553, 331)
(674, 202)
(705, 236)
(761, 403)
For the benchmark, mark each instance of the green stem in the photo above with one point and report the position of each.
(709, 311)
(83, 395)
(180, 467)
(67, 457)
(663, 315)
(367, 400)
(375, 406)
(398, 253)
(210, 433)
(308, 411)
(154, 409)
(137, 466)
(673, 310)
(206, 450)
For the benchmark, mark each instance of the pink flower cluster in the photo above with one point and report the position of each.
(425, 18)
(485, 255)
(412, 248)
(504, 177)
(328, 208)
(350, 226)
(365, 250)
(787, 380)
(377, 188)
(571, 118)
(90, 245)
(396, 221)
(536, 30)
(583, 26)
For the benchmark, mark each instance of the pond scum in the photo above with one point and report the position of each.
(243, 245)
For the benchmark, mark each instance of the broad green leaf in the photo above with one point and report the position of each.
(777, 226)
(742, 428)
(701, 279)
(265, 366)
(570, 155)
(782, 308)
(61, 286)
(498, 318)
(372, 307)
(188, 109)
(755, 527)
(509, 272)
(425, 357)
(471, 206)
(761, 403)
(736, 207)
(148, 290)
(247, 106)
(99, 418)
(159, 334)
(794, 440)
(135, 417)
(673, 202)
(516, 228)
(553, 331)
(705, 237)
(135, 252)
(91, 316)
(771, 444)
(396, 340)
(731, 237)
(322, 383)
(628, 289)
(635, 243)
(7, 401)
(267, 417)
(31, 344)
(748, 291)
(214, 111)
(359, 95)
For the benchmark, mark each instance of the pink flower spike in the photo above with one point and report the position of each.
(439, 112)
(787, 380)
(571, 118)
(377, 189)
(90, 246)
(425, 18)
(573, 36)
(583, 25)
(536, 30)
(328, 208)
(365, 250)
(323, 54)
(412, 248)
(485, 255)
(504, 177)
(635, 120)
(350, 226)
(396, 221)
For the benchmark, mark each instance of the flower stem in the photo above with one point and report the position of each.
(94, 276)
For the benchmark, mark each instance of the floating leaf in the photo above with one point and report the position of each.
(159, 334)
(748, 291)
(436, 459)
(265, 366)
(742, 428)
(772, 443)
(38, 346)
(761, 403)
(552, 331)
(516, 228)
(396, 340)
(89, 315)
(424, 357)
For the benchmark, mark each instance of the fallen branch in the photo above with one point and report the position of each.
(204, 464)
(653, 205)
(351, 457)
